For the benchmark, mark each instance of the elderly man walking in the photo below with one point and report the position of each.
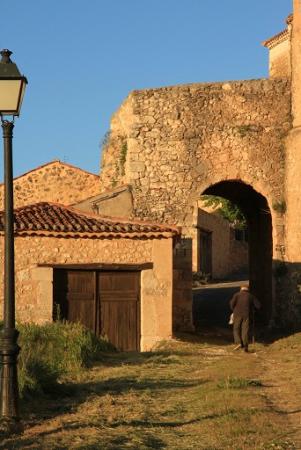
(241, 304)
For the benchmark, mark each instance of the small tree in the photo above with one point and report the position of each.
(228, 210)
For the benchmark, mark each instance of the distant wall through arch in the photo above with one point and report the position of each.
(259, 219)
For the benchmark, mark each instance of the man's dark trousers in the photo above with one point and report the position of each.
(241, 331)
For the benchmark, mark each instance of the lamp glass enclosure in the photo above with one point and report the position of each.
(11, 95)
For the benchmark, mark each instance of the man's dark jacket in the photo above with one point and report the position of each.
(242, 302)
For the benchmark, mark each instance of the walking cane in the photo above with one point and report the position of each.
(253, 326)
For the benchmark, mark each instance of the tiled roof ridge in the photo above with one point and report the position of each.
(91, 215)
(54, 219)
(279, 37)
(53, 162)
(290, 18)
(274, 40)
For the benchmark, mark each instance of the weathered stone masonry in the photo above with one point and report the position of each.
(182, 139)
(240, 139)
(55, 182)
(36, 254)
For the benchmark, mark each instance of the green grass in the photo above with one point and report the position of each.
(238, 383)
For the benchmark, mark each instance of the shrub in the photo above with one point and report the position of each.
(52, 351)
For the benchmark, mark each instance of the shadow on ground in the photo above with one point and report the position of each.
(36, 411)
(211, 314)
(69, 403)
(122, 441)
(41, 409)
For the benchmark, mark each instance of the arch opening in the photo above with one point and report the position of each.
(259, 226)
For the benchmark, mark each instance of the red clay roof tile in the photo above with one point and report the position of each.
(279, 37)
(51, 219)
(273, 41)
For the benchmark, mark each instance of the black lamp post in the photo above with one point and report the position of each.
(12, 87)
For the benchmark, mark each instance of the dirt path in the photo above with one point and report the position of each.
(281, 375)
(280, 366)
(193, 393)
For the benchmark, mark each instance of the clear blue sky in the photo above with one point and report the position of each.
(82, 58)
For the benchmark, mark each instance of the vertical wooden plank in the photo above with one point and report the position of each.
(138, 311)
(108, 303)
(119, 294)
(75, 293)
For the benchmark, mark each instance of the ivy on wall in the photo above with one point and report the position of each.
(122, 157)
(228, 210)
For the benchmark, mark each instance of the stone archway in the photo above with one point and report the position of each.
(180, 140)
(258, 214)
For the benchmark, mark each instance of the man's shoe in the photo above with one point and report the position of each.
(246, 349)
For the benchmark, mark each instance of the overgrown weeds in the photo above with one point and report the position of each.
(54, 350)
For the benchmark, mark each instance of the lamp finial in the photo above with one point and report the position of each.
(5, 53)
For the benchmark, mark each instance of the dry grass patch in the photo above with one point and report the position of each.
(186, 395)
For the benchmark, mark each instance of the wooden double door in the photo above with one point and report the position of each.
(106, 302)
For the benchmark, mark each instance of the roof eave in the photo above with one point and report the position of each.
(91, 235)
(277, 39)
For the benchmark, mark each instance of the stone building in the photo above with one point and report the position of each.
(238, 139)
(280, 52)
(218, 249)
(112, 275)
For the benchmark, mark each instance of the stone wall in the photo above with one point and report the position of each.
(115, 148)
(53, 182)
(182, 281)
(117, 202)
(34, 298)
(229, 256)
(239, 254)
(182, 139)
(280, 60)
(220, 242)
(280, 51)
(290, 280)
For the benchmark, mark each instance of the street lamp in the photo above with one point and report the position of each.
(12, 87)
